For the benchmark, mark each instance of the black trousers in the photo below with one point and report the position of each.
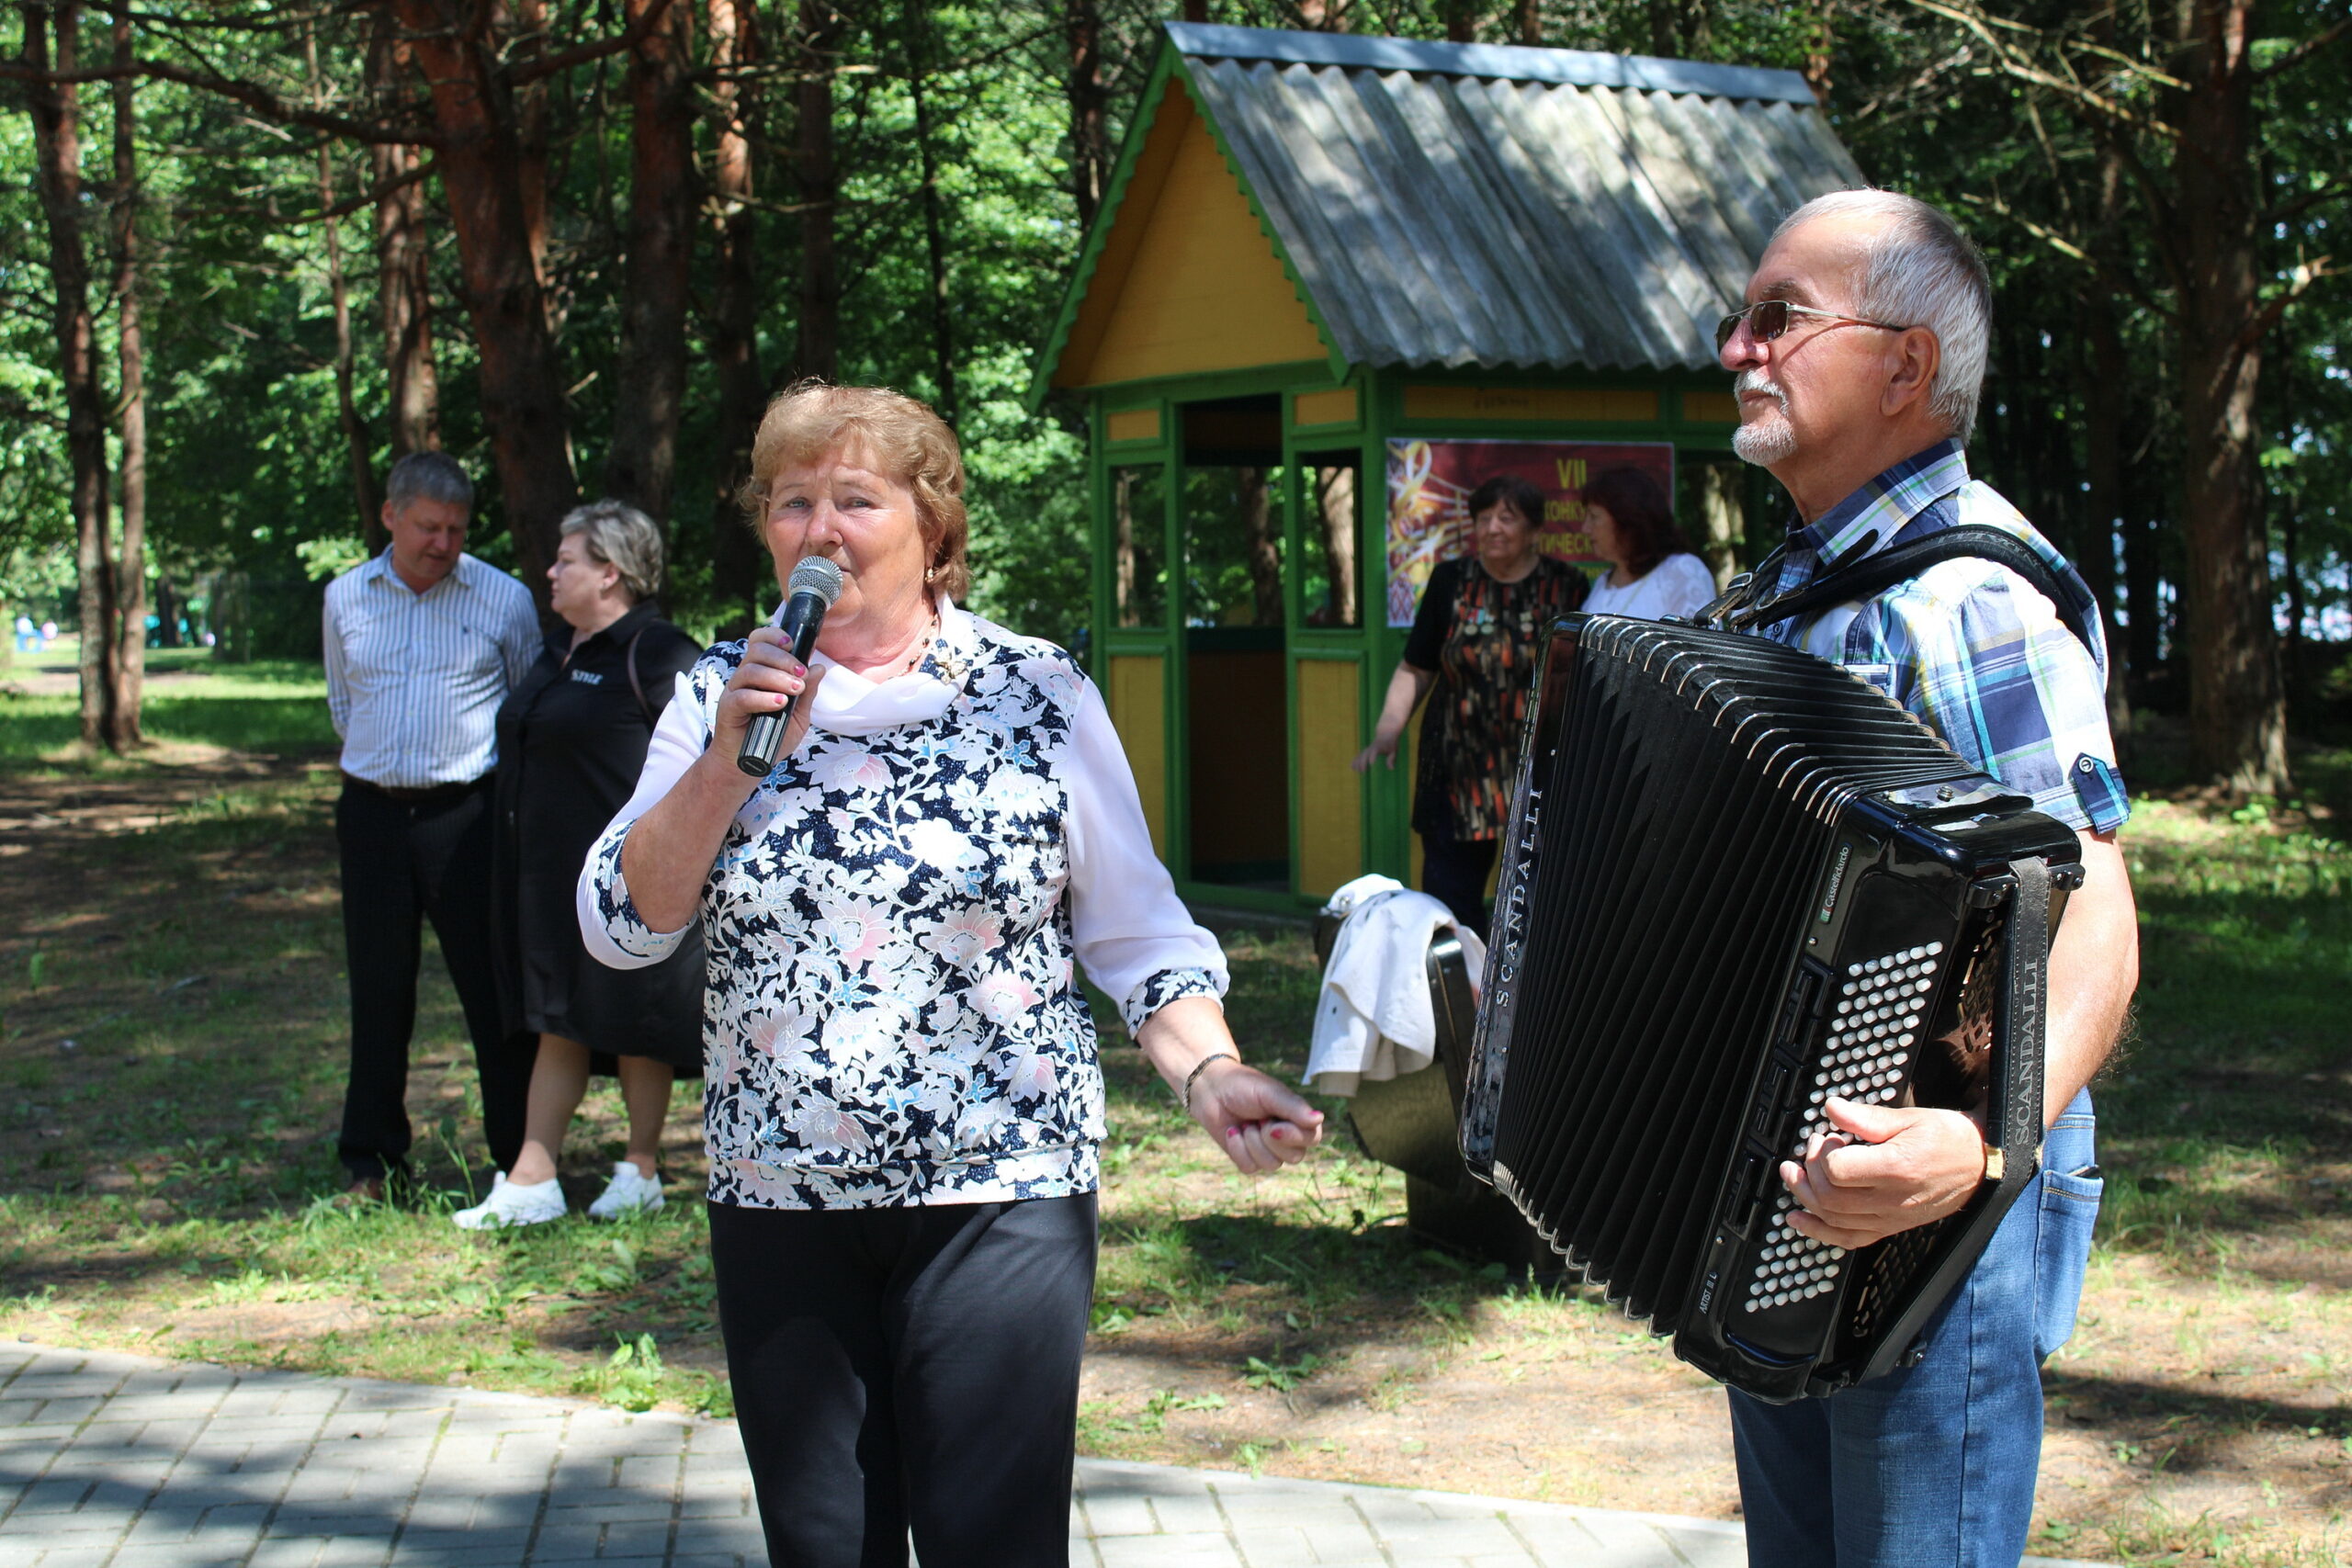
(404, 862)
(1454, 872)
(909, 1369)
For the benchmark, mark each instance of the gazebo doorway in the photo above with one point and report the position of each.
(1231, 618)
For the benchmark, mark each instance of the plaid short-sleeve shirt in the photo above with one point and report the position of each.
(1968, 646)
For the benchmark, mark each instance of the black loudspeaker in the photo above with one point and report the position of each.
(1410, 1124)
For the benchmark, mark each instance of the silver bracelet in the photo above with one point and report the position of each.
(1184, 1095)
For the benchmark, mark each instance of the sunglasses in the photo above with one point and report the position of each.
(1768, 319)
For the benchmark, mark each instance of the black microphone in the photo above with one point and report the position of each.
(815, 584)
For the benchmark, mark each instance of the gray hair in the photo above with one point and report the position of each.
(1920, 271)
(620, 536)
(428, 476)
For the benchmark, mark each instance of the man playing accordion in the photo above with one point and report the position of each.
(1860, 355)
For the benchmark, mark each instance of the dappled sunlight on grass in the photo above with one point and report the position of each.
(271, 705)
(172, 1040)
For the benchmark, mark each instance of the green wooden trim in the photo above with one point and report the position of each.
(1176, 669)
(1098, 537)
(1388, 808)
(1207, 385)
(1360, 643)
(1152, 448)
(1224, 895)
(1294, 432)
(1571, 377)
(1170, 63)
(1114, 195)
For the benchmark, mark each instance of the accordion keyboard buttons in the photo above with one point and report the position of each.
(1880, 1014)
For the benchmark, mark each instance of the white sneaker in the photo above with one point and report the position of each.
(628, 1193)
(512, 1204)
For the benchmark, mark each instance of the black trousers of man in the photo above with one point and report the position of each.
(909, 1370)
(409, 857)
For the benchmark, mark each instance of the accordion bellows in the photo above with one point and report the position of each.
(1739, 880)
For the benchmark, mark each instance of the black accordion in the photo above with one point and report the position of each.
(1738, 880)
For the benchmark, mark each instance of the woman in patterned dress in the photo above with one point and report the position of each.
(903, 1104)
(1474, 638)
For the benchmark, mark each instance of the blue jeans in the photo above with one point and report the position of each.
(1935, 1463)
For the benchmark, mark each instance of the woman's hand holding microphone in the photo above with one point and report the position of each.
(768, 678)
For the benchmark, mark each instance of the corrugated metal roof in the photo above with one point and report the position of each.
(1456, 205)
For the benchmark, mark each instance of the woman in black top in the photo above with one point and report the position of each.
(571, 739)
(1474, 638)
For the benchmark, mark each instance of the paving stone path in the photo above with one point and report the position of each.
(124, 1461)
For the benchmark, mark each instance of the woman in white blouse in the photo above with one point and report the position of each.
(1651, 573)
(904, 1106)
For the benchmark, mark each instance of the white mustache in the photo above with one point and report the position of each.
(1757, 381)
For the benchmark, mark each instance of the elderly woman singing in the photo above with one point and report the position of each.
(904, 1105)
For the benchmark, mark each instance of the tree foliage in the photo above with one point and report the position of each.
(895, 190)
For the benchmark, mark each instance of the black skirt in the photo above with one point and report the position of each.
(572, 741)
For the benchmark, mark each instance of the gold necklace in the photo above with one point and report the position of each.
(909, 661)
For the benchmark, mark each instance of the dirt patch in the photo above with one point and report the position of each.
(2203, 1413)
(268, 1324)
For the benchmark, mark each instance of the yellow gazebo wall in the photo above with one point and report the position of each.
(1187, 282)
(1330, 792)
(1136, 694)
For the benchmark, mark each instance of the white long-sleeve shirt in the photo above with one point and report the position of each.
(894, 924)
(415, 680)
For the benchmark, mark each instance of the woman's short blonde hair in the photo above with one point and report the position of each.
(623, 537)
(901, 437)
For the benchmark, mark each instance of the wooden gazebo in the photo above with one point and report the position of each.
(1335, 282)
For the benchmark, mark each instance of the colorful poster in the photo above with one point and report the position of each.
(1430, 483)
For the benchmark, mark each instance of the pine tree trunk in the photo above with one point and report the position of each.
(1123, 546)
(1821, 46)
(1089, 105)
(404, 279)
(2237, 714)
(57, 147)
(2103, 395)
(1335, 507)
(526, 39)
(651, 394)
(130, 563)
(820, 291)
(1262, 534)
(934, 222)
(357, 444)
(481, 161)
(732, 329)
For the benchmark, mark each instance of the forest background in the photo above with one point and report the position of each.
(250, 253)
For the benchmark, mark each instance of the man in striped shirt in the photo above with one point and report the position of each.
(423, 643)
(1860, 355)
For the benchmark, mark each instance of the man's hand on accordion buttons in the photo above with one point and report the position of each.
(1887, 1168)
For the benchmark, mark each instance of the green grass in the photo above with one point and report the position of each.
(270, 705)
(172, 1030)
(2237, 1089)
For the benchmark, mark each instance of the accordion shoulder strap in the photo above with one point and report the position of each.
(2020, 1036)
(1874, 574)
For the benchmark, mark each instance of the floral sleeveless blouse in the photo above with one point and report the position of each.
(892, 1014)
